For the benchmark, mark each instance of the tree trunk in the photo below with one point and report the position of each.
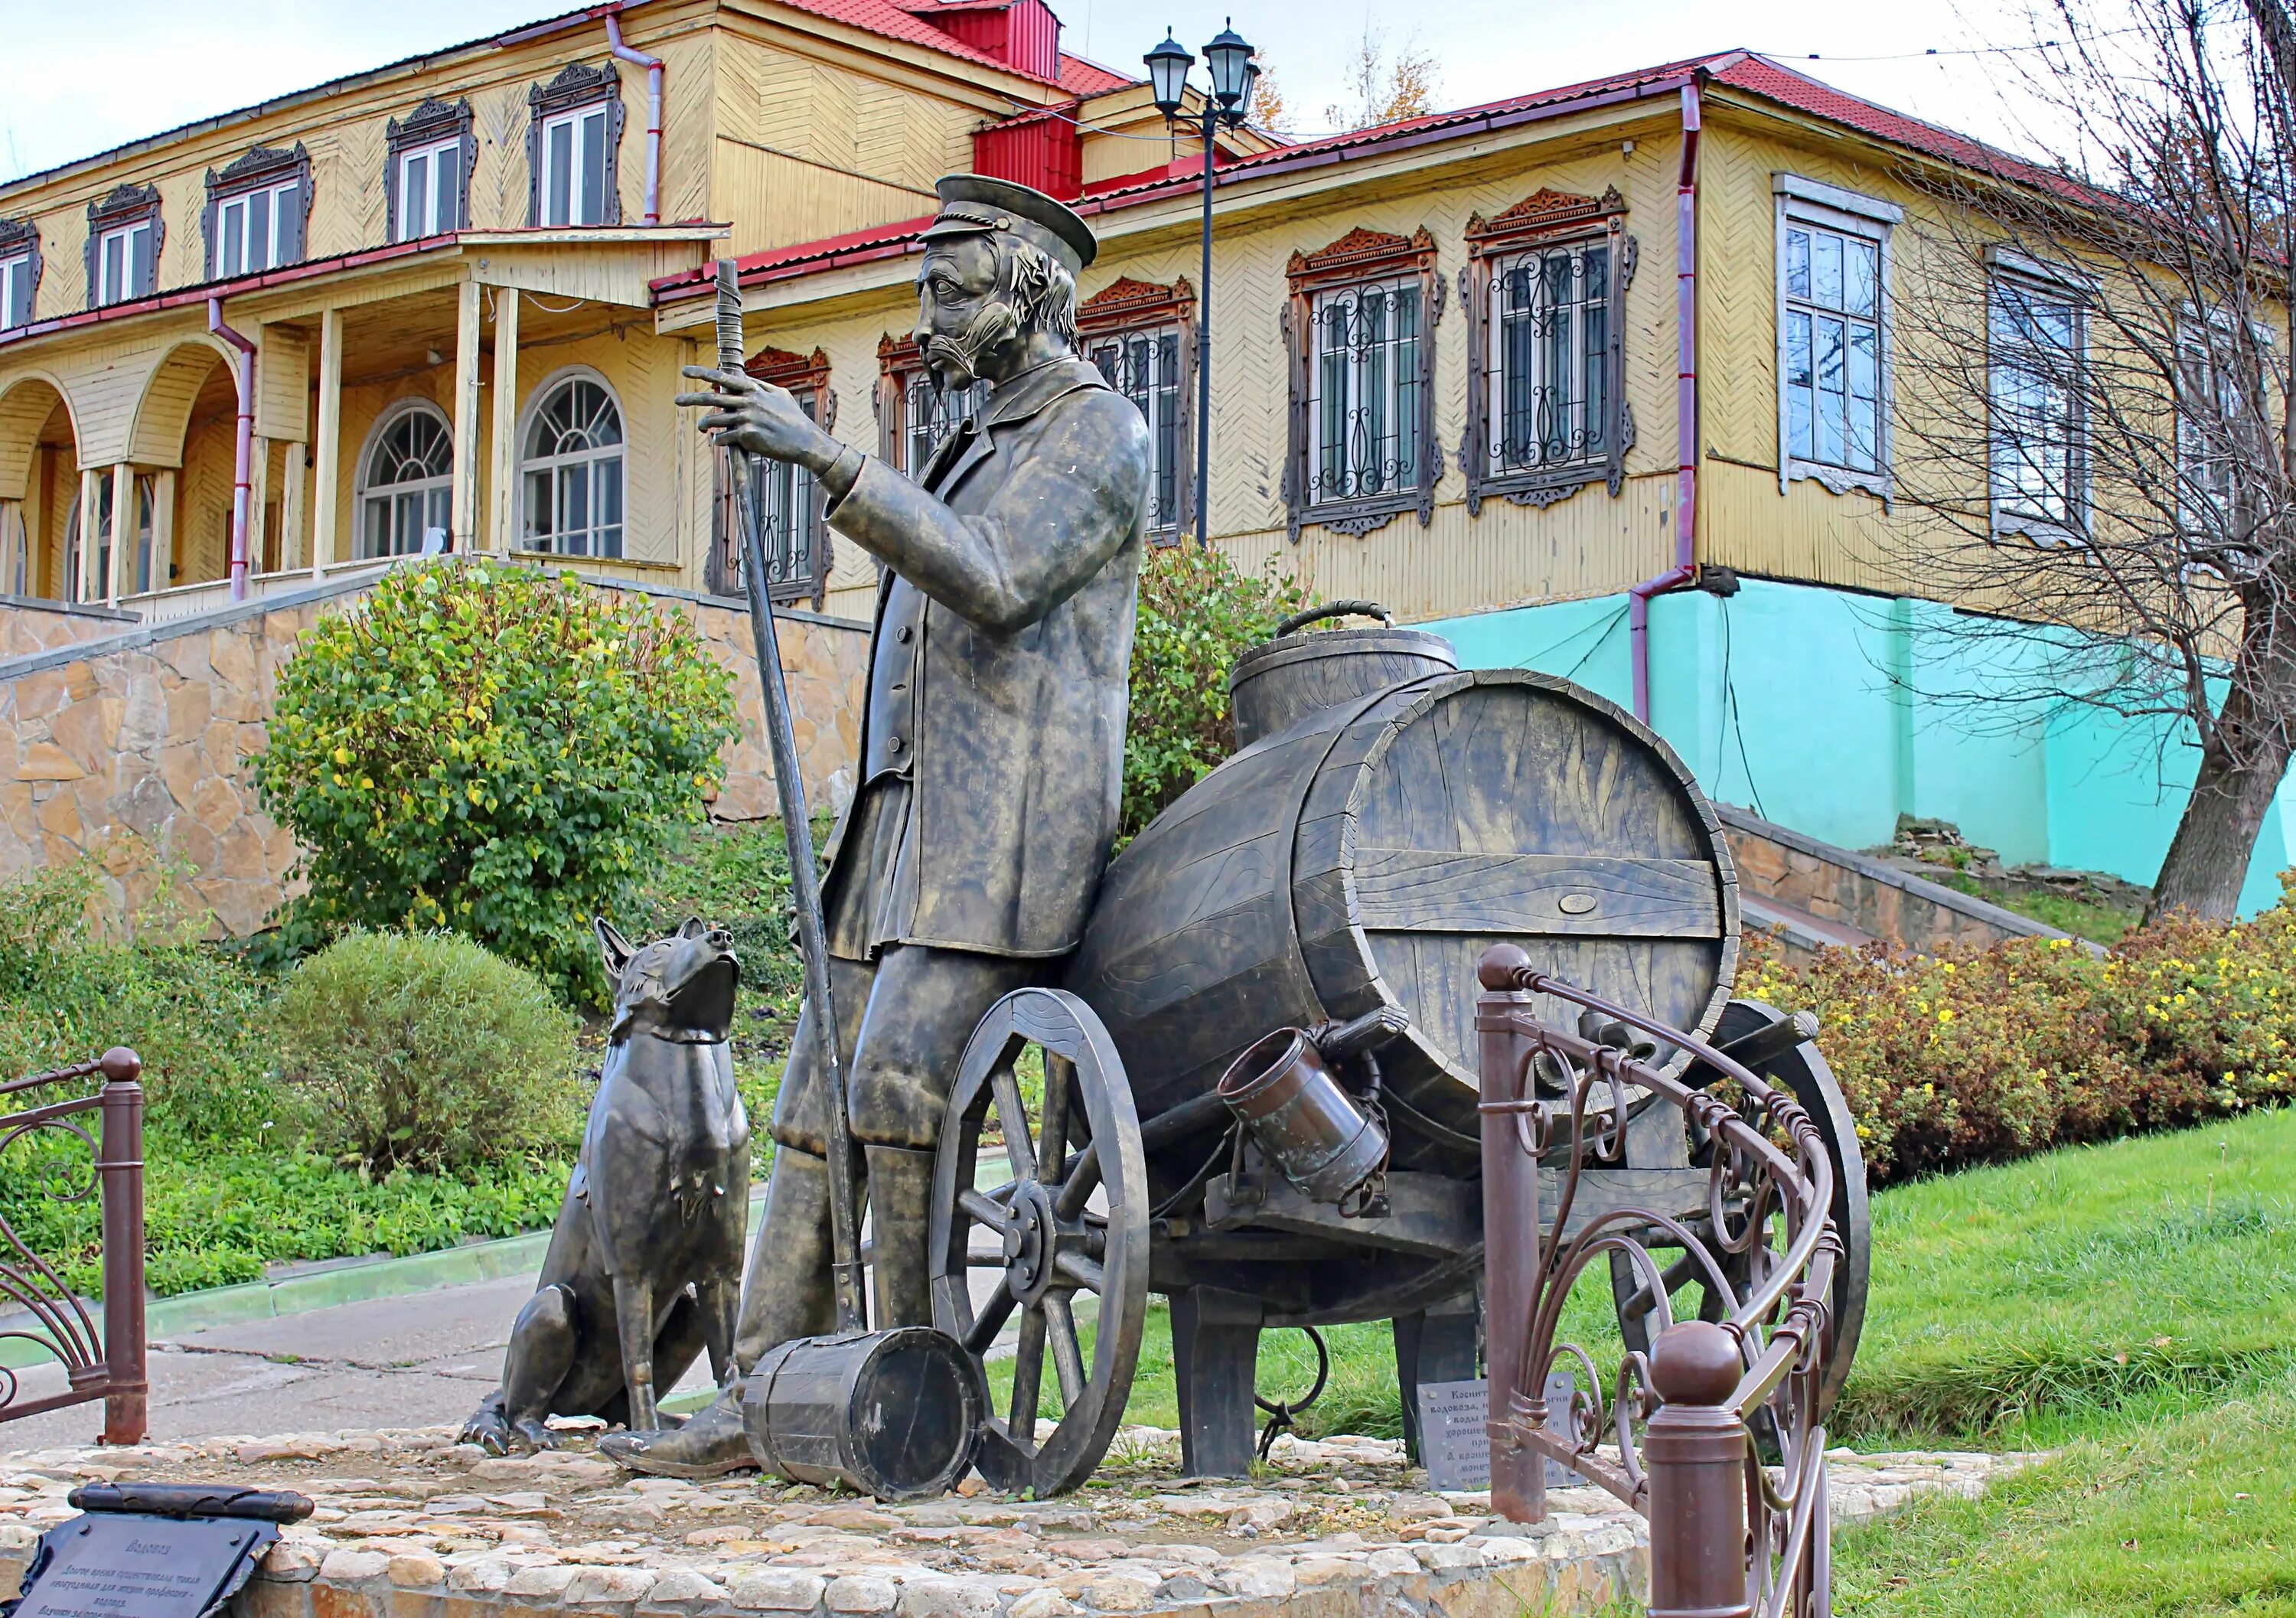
(2241, 769)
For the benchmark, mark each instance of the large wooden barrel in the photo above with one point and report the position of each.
(1275, 685)
(1371, 851)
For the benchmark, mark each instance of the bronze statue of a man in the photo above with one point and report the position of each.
(992, 748)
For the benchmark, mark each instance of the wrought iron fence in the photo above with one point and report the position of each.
(1713, 1433)
(49, 1316)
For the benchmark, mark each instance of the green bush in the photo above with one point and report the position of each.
(422, 1050)
(491, 750)
(1197, 614)
(1984, 1054)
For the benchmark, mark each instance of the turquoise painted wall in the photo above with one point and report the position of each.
(1782, 698)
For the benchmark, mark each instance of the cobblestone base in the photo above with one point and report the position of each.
(411, 1525)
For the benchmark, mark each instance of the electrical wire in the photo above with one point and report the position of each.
(1730, 707)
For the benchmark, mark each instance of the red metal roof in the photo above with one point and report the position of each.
(901, 23)
(1739, 69)
(1087, 77)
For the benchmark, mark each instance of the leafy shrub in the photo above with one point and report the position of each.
(423, 1049)
(494, 751)
(193, 1012)
(1197, 614)
(1987, 1054)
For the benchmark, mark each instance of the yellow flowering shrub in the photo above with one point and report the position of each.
(1980, 1055)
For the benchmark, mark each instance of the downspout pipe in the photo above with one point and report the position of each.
(1684, 570)
(242, 483)
(652, 66)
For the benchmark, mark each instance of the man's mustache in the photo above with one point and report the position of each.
(993, 323)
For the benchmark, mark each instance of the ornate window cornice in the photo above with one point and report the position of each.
(123, 205)
(258, 168)
(575, 88)
(1125, 304)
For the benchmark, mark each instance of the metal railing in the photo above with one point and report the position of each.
(1718, 1439)
(48, 1315)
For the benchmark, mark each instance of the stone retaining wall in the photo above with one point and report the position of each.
(412, 1525)
(133, 746)
(29, 625)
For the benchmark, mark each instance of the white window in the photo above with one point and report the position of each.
(123, 259)
(1145, 366)
(1549, 363)
(572, 469)
(1365, 413)
(929, 415)
(406, 483)
(2035, 362)
(16, 289)
(1834, 335)
(431, 190)
(258, 230)
(574, 167)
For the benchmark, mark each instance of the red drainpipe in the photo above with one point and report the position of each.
(243, 455)
(652, 65)
(1685, 410)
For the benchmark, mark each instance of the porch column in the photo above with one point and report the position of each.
(123, 529)
(258, 502)
(504, 470)
(290, 508)
(91, 497)
(324, 469)
(465, 501)
(163, 530)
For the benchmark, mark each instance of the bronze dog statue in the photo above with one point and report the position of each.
(644, 1264)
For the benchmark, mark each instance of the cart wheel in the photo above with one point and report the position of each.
(1803, 1071)
(1050, 1240)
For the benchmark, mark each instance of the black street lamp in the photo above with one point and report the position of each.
(1233, 73)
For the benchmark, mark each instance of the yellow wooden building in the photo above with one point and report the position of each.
(1558, 372)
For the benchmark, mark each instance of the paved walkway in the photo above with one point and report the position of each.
(390, 1362)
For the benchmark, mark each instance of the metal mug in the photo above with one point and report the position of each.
(1324, 1143)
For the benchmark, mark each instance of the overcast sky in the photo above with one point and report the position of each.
(76, 79)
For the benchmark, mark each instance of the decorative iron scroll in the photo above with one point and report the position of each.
(109, 1366)
(1720, 1442)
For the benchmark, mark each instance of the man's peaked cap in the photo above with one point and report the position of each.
(974, 204)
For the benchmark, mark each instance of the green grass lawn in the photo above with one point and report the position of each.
(2130, 1306)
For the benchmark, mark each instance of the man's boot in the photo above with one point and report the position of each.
(900, 1218)
(786, 1293)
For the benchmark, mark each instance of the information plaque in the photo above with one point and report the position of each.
(122, 1565)
(1455, 1444)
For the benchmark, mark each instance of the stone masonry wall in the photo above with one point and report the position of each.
(134, 747)
(28, 625)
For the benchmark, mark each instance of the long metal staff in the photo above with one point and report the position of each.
(805, 883)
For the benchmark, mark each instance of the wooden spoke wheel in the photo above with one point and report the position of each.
(1804, 1073)
(1073, 1217)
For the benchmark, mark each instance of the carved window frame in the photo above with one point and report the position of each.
(1111, 326)
(262, 169)
(433, 125)
(1360, 260)
(20, 267)
(576, 89)
(125, 208)
(791, 579)
(1815, 205)
(903, 381)
(1546, 222)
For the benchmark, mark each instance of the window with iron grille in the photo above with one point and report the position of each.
(1833, 336)
(1359, 329)
(1140, 335)
(2035, 342)
(788, 506)
(1546, 414)
(914, 412)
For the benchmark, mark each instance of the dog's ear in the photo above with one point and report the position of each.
(616, 949)
(692, 927)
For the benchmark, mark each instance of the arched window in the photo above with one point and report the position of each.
(572, 469)
(407, 482)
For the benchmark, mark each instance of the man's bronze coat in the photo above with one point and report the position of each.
(1006, 704)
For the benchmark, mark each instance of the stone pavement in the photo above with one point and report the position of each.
(403, 1361)
(412, 1525)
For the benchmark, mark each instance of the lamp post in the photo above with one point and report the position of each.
(1233, 74)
